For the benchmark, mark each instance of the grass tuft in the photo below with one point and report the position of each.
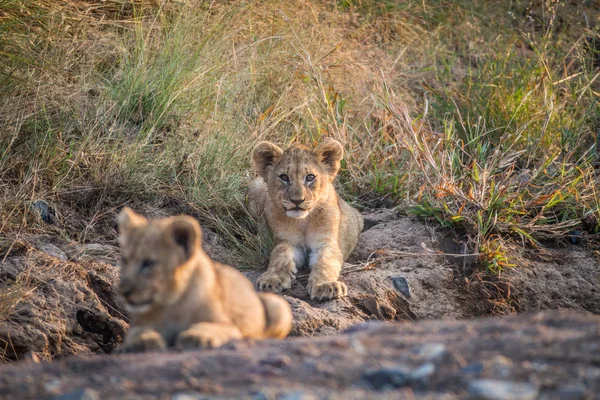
(481, 116)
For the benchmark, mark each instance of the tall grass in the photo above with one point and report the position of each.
(469, 114)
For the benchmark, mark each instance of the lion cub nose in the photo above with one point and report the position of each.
(297, 202)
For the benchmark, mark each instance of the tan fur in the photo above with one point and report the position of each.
(178, 296)
(309, 222)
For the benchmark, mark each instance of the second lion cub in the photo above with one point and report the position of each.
(310, 223)
(177, 295)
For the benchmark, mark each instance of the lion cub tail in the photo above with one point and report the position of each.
(278, 315)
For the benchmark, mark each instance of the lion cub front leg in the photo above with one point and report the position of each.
(323, 283)
(207, 335)
(140, 339)
(281, 271)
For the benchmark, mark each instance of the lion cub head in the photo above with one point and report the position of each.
(298, 178)
(156, 259)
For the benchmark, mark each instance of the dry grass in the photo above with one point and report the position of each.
(483, 117)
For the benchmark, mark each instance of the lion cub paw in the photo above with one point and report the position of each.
(193, 339)
(274, 283)
(145, 341)
(328, 290)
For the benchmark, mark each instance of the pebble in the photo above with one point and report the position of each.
(493, 389)
(44, 210)
(387, 378)
(259, 396)
(473, 369)
(54, 251)
(568, 392)
(296, 396)
(364, 327)
(501, 367)
(279, 361)
(79, 394)
(401, 285)
(431, 351)
(422, 373)
(396, 377)
(188, 396)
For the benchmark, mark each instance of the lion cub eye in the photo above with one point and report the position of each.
(284, 178)
(310, 178)
(147, 265)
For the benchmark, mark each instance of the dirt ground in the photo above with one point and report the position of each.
(548, 355)
(68, 303)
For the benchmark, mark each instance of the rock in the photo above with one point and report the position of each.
(329, 367)
(279, 361)
(431, 351)
(364, 327)
(97, 252)
(79, 394)
(189, 396)
(259, 396)
(296, 396)
(388, 378)
(501, 367)
(421, 374)
(473, 369)
(54, 251)
(493, 389)
(44, 211)
(380, 310)
(44, 321)
(568, 392)
(401, 284)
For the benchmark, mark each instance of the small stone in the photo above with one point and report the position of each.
(45, 212)
(401, 285)
(259, 396)
(77, 329)
(501, 367)
(79, 394)
(431, 351)
(188, 396)
(364, 327)
(492, 389)
(296, 396)
(422, 373)
(53, 385)
(279, 361)
(357, 345)
(54, 251)
(388, 378)
(568, 392)
(473, 369)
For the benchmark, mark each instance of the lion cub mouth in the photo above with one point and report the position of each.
(138, 307)
(296, 213)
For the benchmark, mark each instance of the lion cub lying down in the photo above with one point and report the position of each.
(309, 222)
(178, 296)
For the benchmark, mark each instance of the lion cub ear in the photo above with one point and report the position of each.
(264, 156)
(128, 220)
(329, 153)
(185, 232)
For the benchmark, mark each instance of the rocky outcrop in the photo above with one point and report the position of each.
(59, 299)
(548, 355)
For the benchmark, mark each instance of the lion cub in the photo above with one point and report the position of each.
(177, 295)
(310, 223)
